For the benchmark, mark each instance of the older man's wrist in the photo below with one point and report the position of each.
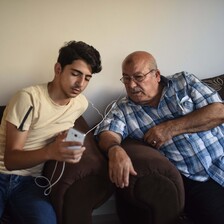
(109, 148)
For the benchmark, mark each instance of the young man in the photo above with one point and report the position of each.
(181, 117)
(33, 131)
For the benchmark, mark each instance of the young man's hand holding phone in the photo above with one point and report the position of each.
(74, 135)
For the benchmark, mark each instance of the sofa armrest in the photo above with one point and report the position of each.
(88, 178)
(157, 189)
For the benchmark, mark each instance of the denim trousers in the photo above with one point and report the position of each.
(25, 201)
(204, 201)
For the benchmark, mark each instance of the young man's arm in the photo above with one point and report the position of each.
(17, 158)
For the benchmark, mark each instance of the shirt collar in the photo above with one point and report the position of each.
(165, 80)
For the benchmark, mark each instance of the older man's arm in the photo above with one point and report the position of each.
(202, 119)
(120, 165)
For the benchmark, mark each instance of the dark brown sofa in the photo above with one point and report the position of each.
(154, 196)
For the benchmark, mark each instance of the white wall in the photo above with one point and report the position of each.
(182, 35)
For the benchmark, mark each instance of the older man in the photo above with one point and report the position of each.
(182, 118)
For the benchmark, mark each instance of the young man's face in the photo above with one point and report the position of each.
(74, 78)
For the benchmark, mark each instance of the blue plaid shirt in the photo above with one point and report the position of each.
(198, 156)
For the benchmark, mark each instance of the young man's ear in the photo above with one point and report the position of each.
(57, 69)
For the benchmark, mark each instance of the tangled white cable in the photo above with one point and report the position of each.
(48, 184)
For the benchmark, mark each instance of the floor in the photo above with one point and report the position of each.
(113, 219)
(106, 219)
(106, 214)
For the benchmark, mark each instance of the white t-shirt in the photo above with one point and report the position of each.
(32, 109)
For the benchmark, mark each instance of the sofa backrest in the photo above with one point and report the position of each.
(217, 83)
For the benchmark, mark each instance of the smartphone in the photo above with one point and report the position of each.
(75, 136)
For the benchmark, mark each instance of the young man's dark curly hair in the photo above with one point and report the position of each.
(75, 50)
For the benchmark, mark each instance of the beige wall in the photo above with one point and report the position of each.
(182, 35)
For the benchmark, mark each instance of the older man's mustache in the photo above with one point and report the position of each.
(136, 90)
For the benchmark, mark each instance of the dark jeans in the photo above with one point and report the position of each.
(25, 201)
(204, 201)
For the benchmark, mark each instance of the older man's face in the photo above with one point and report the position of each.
(141, 82)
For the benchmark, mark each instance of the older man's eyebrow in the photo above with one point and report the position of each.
(124, 74)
